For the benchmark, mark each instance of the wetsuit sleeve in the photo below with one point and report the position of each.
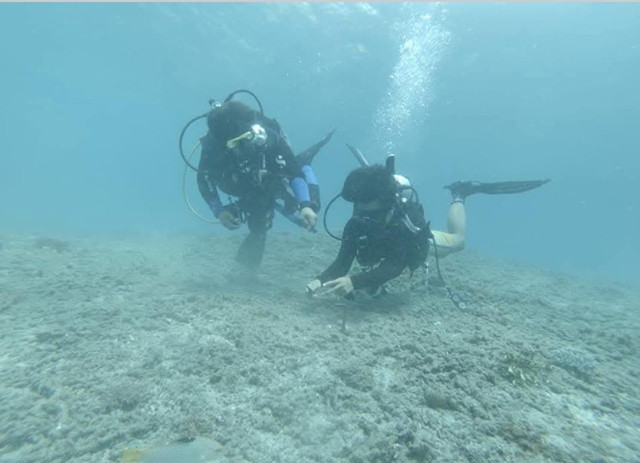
(312, 182)
(294, 173)
(301, 191)
(206, 183)
(347, 253)
(296, 177)
(388, 269)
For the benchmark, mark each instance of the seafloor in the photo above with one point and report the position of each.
(133, 342)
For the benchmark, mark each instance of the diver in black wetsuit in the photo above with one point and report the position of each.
(387, 233)
(246, 155)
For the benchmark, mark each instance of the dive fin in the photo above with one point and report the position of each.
(306, 157)
(463, 189)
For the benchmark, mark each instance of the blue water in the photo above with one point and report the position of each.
(94, 97)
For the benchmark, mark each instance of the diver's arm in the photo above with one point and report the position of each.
(294, 172)
(341, 265)
(387, 270)
(297, 179)
(314, 188)
(206, 183)
(305, 160)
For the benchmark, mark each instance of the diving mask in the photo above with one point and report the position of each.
(405, 191)
(377, 216)
(257, 136)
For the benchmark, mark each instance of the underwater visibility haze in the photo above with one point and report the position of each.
(95, 97)
(123, 332)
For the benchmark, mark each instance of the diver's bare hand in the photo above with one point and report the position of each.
(229, 220)
(308, 217)
(340, 286)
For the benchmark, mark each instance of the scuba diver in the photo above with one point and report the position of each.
(388, 233)
(246, 155)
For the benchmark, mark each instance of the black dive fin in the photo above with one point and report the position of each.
(306, 157)
(464, 189)
(501, 188)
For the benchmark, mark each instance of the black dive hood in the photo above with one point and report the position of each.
(364, 162)
(214, 106)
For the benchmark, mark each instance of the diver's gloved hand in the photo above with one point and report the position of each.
(308, 217)
(229, 220)
(313, 286)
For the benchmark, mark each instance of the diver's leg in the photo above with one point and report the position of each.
(259, 219)
(455, 239)
(457, 221)
(252, 249)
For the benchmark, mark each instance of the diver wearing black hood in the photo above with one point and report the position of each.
(246, 155)
(388, 232)
(377, 235)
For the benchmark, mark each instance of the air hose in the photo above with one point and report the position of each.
(184, 185)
